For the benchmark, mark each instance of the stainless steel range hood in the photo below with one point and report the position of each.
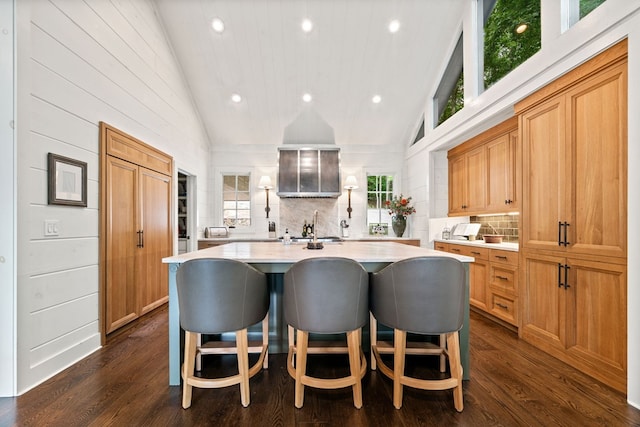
(309, 172)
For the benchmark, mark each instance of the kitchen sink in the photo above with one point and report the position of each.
(326, 239)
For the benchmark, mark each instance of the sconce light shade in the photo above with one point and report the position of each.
(351, 183)
(265, 182)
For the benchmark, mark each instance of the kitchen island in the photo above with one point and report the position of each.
(275, 258)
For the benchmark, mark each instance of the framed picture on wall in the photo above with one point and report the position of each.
(67, 181)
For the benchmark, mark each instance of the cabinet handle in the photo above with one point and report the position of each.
(475, 253)
(139, 233)
(142, 234)
(455, 250)
(501, 257)
(566, 276)
(560, 267)
(559, 233)
(566, 226)
(502, 278)
(502, 306)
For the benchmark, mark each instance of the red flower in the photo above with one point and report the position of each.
(403, 202)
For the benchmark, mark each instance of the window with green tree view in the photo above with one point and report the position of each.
(379, 190)
(511, 35)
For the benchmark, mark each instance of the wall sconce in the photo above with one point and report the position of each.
(265, 182)
(350, 184)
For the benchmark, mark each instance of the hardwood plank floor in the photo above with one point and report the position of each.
(126, 384)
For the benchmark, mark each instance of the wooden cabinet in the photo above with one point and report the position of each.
(478, 272)
(484, 172)
(576, 310)
(573, 223)
(503, 285)
(467, 178)
(136, 230)
(575, 157)
(503, 173)
(493, 279)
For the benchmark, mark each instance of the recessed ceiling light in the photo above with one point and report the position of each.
(217, 25)
(307, 25)
(376, 99)
(521, 28)
(394, 26)
(307, 97)
(236, 98)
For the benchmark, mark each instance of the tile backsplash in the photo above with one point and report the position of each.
(507, 225)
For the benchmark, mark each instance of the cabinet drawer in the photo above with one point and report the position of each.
(505, 308)
(504, 277)
(438, 246)
(506, 257)
(473, 251)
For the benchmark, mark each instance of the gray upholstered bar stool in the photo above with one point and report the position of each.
(422, 295)
(326, 296)
(217, 296)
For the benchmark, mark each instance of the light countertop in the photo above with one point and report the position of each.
(278, 252)
(505, 246)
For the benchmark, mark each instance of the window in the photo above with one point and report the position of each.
(379, 190)
(511, 35)
(578, 9)
(449, 97)
(236, 200)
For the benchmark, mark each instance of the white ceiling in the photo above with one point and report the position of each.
(350, 55)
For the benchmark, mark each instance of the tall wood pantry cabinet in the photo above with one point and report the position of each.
(573, 239)
(136, 227)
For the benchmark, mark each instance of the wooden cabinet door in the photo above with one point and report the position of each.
(597, 117)
(498, 168)
(543, 314)
(476, 187)
(457, 185)
(546, 172)
(155, 224)
(514, 173)
(597, 319)
(478, 286)
(121, 208)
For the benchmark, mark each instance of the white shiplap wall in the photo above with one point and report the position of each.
(81, 62)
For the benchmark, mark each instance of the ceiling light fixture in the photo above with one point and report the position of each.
(394, 26)
(217, 25)
(236, 98)
(376, 99)
(307, 25)
(522, 27)
(307, 97)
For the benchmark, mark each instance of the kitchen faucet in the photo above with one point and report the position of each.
(315, 244)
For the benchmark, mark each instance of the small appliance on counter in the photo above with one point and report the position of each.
(272, 229)
(465, 231)
(212, 232)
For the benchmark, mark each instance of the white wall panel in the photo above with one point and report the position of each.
(83, 62)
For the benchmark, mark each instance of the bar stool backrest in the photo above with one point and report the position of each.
(326, 295)
(220, 295)
(422, 295)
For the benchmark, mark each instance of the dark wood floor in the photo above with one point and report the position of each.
(126, 384)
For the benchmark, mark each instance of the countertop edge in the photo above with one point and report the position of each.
(505, 246)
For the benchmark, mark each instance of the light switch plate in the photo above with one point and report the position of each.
(51, 227)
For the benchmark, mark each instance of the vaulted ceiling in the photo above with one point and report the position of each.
(347, 58)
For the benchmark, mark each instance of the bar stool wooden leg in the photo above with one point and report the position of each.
(373, 337)
(302, 341)
(190, 339)
(453, 342)
(400, 344)
(354, 364)
(443, 357)
(265, 340)
(243, 366)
